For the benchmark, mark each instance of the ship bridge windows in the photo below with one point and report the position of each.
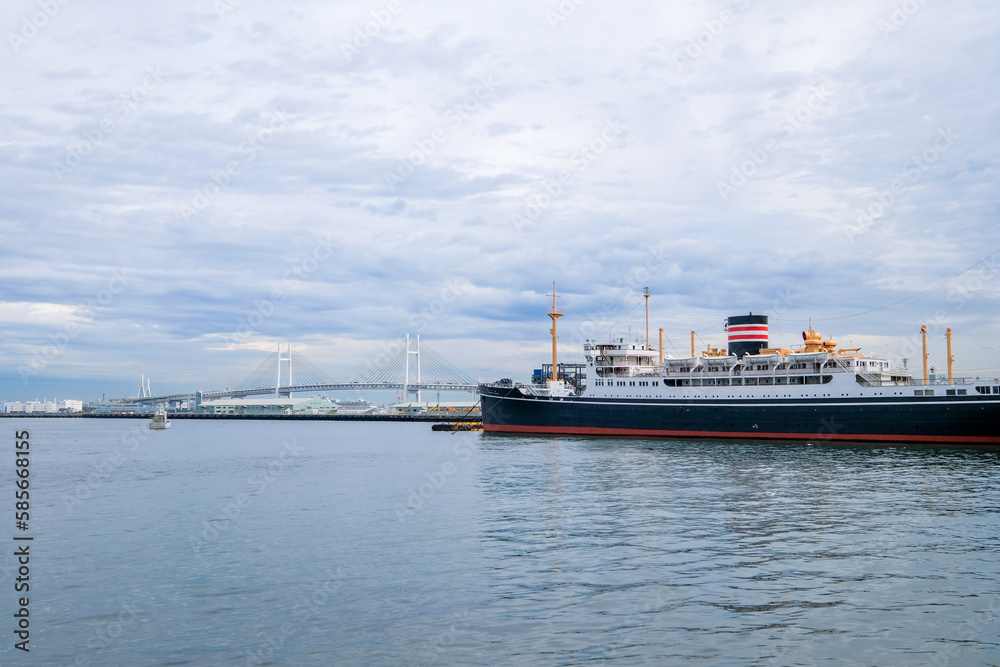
(988, 390)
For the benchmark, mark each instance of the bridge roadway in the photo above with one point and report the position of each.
(269, 391)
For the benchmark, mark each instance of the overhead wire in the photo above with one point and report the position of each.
(904, 300)
(511, 355)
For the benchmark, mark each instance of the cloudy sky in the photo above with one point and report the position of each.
(187, 183)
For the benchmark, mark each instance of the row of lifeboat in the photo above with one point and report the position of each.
(635, 359)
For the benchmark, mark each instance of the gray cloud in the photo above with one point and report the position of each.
(188, 182)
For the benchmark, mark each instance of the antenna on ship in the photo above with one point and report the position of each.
(645, 294)
(555, 315)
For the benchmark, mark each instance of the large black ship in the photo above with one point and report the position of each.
(816, 392)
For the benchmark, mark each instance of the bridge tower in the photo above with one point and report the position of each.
(277, 382)
(406, 370)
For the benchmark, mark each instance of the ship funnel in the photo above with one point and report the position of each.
(747, 334)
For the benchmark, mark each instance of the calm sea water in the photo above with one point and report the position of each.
(243, 543)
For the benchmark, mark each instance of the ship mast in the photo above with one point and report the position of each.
(555, 315)
(923, 335)
(645, 294)
(951, 358)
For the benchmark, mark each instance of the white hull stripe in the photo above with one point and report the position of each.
(749, 403)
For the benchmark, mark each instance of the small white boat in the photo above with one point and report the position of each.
(159, 420)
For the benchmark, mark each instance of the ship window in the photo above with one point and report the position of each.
(996, 390)
(949, 392)
(962, 392)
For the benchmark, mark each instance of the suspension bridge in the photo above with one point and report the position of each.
(409, 366)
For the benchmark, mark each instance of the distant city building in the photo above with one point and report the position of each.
(313, 405)
(43, 406)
